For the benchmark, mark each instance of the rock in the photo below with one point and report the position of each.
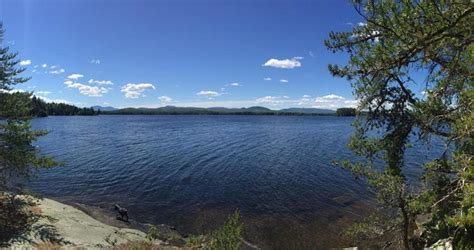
(66, 225)
(443, 244)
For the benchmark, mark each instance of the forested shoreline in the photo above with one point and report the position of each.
(41, 108)
(171, 110)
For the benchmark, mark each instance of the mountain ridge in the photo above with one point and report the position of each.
(254, 110)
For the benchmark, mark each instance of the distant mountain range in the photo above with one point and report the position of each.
(256, 110)
(102, 108)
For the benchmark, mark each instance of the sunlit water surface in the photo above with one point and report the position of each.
(192, 171)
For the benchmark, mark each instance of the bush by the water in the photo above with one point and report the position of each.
(228, 236)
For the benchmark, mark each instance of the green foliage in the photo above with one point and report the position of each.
(171, 110)
(40, 109)
(18, 158)
(195, 241)
(229, 236)
(174, 236)
(346, 111)
(152, 233)
(399, 42)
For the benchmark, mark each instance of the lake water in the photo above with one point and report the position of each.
(192, 171)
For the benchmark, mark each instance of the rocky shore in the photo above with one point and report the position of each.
(82, 227)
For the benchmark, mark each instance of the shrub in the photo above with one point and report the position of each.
(228, 237)
(152, 233)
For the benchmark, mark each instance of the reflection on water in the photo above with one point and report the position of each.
(192, 171)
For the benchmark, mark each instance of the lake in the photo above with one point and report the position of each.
(192, 171)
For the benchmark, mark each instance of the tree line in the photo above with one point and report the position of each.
(40, 108)
(346, 112)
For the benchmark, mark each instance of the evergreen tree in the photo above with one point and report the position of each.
(18, 159)
(346, 111)
(41, 108)
(399, 42)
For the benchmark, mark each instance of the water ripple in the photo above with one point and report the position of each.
(176, 169)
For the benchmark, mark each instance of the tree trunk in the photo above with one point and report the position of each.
(406, 224)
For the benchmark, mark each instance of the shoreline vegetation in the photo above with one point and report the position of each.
(41, 108)
(410, 67)
(256, 110)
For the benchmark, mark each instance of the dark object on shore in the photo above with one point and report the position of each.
(122, 213)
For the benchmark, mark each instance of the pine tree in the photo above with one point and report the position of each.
(18, 159)
(398, 42)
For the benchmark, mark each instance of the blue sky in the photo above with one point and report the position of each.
(183, 53)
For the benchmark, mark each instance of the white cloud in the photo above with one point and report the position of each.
(39, 94)
(135, 90)
(332, 97)
(25, 62)
(274, 102)
(268, 99)
(75, 76)
(361, 24)
(46, 99)
(43, 92)
(57, 71)
(86, 89)
(165, 99)
(53, 69)
(95, 61)
(235, 84)
(284, 63)
(304, 100)
(333, 101)
(100, 82)
(208, 93)
(311, 54)
(267, 79)
(283, 80)
(12, 91)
